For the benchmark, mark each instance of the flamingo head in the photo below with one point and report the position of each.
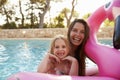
(109, 7)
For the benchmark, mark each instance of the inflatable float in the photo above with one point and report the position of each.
(107, 58)
(42, 76)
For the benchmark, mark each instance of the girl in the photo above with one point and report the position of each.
(59, 61)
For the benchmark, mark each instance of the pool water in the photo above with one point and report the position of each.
(24, 55)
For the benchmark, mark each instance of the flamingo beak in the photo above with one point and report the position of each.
(116, 35)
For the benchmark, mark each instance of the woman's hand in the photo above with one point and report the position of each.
(74, 65)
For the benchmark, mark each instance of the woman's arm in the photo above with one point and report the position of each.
(91, 71)
(74, 65)
(91, 68)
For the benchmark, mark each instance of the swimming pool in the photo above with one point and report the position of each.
(24, 55)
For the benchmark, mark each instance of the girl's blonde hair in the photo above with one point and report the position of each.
(59, 37)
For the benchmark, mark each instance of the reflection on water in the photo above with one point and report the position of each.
(24, 55)
(2, 48)
(20, 55)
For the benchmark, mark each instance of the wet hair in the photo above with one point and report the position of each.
(79, 53)
(56, 38)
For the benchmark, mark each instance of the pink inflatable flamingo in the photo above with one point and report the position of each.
(107, 58)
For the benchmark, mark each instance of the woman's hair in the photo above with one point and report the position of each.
(59, 37)
(79, 53)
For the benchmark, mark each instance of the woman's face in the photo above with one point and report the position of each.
(60, 48)
(77, 34)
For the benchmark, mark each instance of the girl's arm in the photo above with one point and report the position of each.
(74, 65)
(44, 65)
(47, 63)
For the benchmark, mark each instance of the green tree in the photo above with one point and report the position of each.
(69, 14)
(22, 14)
(6, 10)
(108, 23)
(42, 6)
(31, 15)
(3, 2)
(59, 21)
(86, 16)
(11, 25)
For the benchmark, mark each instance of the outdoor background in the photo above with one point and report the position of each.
(45, 13)
(22, 21)
(41, 14)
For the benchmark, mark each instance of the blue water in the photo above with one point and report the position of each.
(24, 55)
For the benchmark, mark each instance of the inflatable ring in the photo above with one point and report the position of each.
(107, 58)
(42, 76)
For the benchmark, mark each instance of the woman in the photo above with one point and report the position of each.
(78, 33)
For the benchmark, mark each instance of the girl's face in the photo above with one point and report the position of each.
(77, 34)
(60, 49)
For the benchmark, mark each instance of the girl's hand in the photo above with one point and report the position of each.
(54, 59)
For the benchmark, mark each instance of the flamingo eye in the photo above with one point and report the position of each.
(108, 5)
